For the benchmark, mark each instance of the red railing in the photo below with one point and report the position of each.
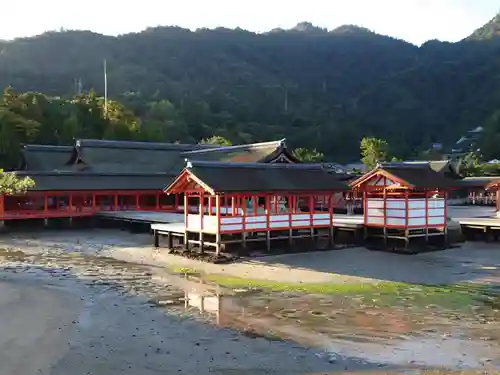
(39, 205)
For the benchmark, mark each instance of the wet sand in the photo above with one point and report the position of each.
(69, 310)
(470, 262)
(54, 323)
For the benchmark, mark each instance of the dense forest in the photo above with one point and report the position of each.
(320, 89)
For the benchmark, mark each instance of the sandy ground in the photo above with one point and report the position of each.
(471, 262)
(57, 324)
(64, 316)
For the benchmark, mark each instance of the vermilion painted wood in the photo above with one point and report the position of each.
(394, 191)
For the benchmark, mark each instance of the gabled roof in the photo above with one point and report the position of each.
(479, 182)
(218, 177)
(82, 181)
(494, 183)
(446, 167)
(45, 157)
(136, 156)
(264, 152)
(410, 175)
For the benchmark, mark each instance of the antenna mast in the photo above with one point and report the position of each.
(105, 89)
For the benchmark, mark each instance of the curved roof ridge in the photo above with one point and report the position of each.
(138, 145)
(221, 164)
(40, 147)
(277, 144)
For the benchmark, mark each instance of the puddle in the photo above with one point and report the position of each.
(394, 330)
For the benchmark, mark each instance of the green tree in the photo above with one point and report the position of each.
(216, 140)
(373, 151)
(490, 138)
(490, 169)
(469, 166)
(15, 130)
(11, 184)
(308, 156)
(163, 123)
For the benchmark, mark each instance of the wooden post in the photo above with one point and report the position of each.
(115, 202)
(364, 204)
(217, 213)
(426, 217)
(202, 214)
(407, 218)
(330, 228)
(186, 228)
(291, 211)
(157, 201)
(156, 239)
(445, 195)
(70, 203)
(170, 239)
(2, 207)
(244, 218)
(268, 229)
(385, 216)
(311, 221)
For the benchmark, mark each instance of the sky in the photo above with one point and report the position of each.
(413, 20)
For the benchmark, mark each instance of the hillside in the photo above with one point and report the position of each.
(319, 89)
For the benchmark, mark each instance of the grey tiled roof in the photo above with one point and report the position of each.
(258, 177)
(251, 153)
(419, 175)
(135, 156)
(45, 157)
(81, 181)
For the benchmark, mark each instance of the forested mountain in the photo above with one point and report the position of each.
(319, 89)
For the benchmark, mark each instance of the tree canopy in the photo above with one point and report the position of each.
(320, 89)
(11, 184)
(308, 156)
(216, 140)
(373, 151)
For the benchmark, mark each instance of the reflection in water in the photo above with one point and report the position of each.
(399, 331)
(202, 300)
(391, 335)
(206, 304)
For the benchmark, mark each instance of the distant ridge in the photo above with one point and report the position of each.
(488, 31)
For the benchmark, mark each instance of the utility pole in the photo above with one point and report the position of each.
(286, 100)
(105, 89)
(79, 86)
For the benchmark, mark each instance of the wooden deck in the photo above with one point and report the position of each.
(173, 229)
(149, 217)
(480, 228)
(480, 221)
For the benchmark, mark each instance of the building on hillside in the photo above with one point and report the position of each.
(467, 143)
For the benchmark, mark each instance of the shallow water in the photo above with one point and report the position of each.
(389, 330)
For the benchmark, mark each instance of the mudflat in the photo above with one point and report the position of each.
(470, 262)
(87, 317)
(105, 302)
